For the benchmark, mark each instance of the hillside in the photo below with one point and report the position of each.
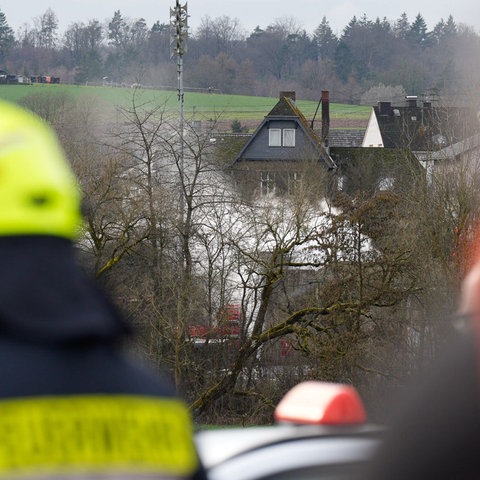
(248, 110)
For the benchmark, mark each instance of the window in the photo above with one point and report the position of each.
(274, 137)
(385, 183)
(267, 183)
(288, 137)
(294, 182)
(278, 137)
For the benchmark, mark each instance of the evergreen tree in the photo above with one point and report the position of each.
(117, 30)
(418, 35)
(450, 27)
(325, 40)
(158, 43)
(444, 30)
(47, 29)
(343, 61)
(7, 39)
(351, 26)
(402, 26)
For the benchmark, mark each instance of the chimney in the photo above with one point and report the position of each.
(325, 116)
(289, 94)
(411, 100)
(384, 108)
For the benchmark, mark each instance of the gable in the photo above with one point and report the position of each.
(284, 135)
(373, 136)
(264, 148)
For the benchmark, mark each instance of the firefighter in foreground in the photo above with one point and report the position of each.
(71, 406)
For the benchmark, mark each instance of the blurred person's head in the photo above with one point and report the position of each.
(39, 194)
(470, 294)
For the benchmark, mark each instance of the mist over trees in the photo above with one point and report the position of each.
(356, 287)
(224, 57)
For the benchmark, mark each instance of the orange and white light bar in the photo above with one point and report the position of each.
(321, 403)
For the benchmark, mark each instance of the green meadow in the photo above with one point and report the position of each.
(197, 106)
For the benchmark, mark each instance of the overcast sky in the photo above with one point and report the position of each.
(250, 13)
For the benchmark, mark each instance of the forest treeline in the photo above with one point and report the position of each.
(403, 54)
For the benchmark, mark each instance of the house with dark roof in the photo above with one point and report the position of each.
(285, 149)
(435, 135)
(397, 140)
(285, 135)
(412, 134)
(419, 127)
(269, 160)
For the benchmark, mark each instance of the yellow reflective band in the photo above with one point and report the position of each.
(95, 433)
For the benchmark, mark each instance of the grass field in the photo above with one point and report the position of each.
(196, 105)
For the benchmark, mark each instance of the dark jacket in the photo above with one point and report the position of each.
(435, 432)
(70, 402)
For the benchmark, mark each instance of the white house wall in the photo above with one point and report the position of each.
(373, 137)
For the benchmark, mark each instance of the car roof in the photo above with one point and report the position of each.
(321, 432)
(261, 452)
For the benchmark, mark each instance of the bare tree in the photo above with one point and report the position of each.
(46, 29)
(218, 35)
(304, 272)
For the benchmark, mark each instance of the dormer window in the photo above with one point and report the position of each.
(278, 137)
(275, 137)
(288, 137)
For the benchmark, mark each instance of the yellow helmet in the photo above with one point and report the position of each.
(39, 194)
